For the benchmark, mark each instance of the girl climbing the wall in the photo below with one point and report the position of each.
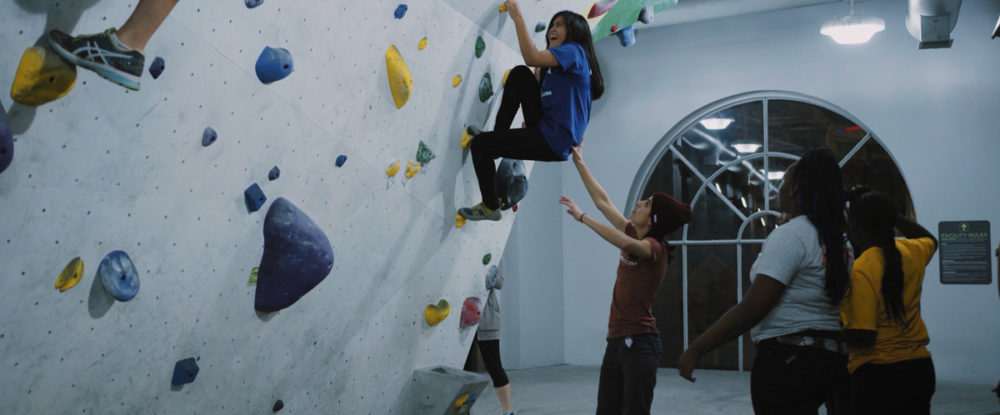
(791, 308)
(555, 102)
(891, 369)
(628, 372)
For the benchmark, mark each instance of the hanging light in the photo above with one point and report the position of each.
(852, 30)
(715, 123)
(747, 147)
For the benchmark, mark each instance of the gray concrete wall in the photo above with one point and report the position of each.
(105, 169)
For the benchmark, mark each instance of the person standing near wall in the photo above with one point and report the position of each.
(556, 105)
(628, 372)
(891, 368)
(790, 309)
(116, 55)
(488, 338)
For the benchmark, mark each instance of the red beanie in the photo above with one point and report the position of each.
(668, 214)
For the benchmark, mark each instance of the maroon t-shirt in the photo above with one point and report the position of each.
(637, 283)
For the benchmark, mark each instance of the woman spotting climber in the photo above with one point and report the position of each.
(555, 102)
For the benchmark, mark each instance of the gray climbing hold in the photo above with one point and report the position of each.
(511, 182)
(646, 15)
(297, 257)
(485, 88)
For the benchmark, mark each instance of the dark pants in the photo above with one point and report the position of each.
(490, 349)
(790, 380)
(521, 89)
(628, 375)
(897, 388)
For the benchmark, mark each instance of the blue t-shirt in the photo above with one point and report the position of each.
(566, 99)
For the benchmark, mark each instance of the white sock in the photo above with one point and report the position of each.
(118, 43)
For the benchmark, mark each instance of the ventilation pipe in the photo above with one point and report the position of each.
(931, 21)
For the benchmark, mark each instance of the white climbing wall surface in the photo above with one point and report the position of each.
(102, 169)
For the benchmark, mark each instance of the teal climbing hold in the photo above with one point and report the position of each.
(485, 88)
(424, 154)
(487, 258)
(540, 27)
(480, 46)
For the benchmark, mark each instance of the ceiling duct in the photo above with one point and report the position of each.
(931, 21)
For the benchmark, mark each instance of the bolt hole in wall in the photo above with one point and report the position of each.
(727, 160)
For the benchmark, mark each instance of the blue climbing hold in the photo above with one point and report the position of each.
(208, 137)
(253, 3)
(119, 276)
(297, 256)
(254, 197)
(6, 140)
(156, 68)
(274, 64)
(274, 173)
(400, 11)
(512, 182)
(341, 159)
(626, 36)
(185, 371)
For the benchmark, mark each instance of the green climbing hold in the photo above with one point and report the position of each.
(485, 88)
(480, 46)
(540, 27)
(424, 154)
(487, 258)
(253, 276)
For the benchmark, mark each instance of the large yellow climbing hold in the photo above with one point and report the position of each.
(400, 81)
(459, 221)
(422, 44)
(505, 75)
(461, 400)
(42, 76)
(466, 138)
(434, 314)
(393, 169)
(70, 275)
(412, 169)
(503, 7)
(456, 80)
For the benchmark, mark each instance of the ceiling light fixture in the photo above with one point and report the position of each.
(716, 123)
(746, 148)
(852, 30)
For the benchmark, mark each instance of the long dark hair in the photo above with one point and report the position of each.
(819, 194)
(874, 213)
(578, 31)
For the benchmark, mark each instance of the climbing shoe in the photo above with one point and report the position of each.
(102, 53)
(480, 212)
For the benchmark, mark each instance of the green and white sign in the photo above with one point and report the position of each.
(965, 252)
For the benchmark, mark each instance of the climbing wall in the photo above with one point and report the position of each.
(103, 169)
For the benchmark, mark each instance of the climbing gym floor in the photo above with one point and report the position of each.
(572, 390)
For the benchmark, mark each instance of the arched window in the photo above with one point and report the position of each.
(727, 160)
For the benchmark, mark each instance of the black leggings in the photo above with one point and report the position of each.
(490, 349)
(903, 388)
(521, 89)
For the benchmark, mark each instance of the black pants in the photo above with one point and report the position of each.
(490, 349)
(790, 380)
(628, 375)
(897, 388)
(521, 89)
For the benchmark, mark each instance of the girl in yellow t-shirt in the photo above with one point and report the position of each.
(891, 369)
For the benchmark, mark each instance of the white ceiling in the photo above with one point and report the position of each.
(687, 11)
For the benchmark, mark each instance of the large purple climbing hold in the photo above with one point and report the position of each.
(253, 3)
(400, 11)
(156, 68)
(297, 256)
(118, 275)
(274, 64)
(512, 182)
(6, 140)
(254, 197)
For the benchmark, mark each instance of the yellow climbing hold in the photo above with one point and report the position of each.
(400, 81)
(505, 74)
(434, 314)
(393, 169)
(412, 169)
(459, 221)
(503, 7)
(42, 76)
(461, 400)
(466, 139)
(456, 80)
(422, 44)
(70, 275)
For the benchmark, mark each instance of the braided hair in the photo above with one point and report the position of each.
(820, 196)
(874, 213)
